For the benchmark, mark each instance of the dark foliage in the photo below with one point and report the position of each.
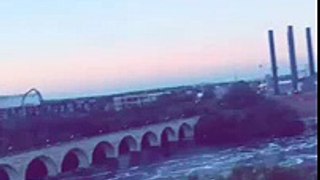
(240, 95)
(246, 116)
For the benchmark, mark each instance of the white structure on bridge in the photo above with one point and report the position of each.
(17, 167)
(32, 97)
(135, 100)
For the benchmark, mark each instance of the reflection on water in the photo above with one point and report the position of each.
(284, 152)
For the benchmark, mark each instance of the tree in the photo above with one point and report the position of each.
(248, 116)
(240, 95)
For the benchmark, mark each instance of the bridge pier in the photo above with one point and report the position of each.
(112, 164)
(124, 161)
(151, 155)
(187, 143)
(135, 158)
(131, 159)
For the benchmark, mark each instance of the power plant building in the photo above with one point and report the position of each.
(294, 83)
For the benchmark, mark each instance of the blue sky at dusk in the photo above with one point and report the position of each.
(87, 47)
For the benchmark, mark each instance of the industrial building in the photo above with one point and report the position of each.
(296, 83)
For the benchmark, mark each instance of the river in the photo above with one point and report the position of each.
(293, 151)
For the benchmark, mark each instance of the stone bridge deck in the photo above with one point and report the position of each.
(17, 167)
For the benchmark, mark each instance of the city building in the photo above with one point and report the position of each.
(135, 100)
(305, 84)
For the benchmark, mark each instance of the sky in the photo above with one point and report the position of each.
(92, 47)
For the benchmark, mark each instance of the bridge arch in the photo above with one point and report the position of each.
(185, 131)
(168, 135)
(41, 167)
(127, 144)
(74, 159)
(149, 139)
(7, 172)
(26, 95)
(102, 151)
(169, 130)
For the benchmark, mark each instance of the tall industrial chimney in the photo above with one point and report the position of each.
(273, 63)
(310, 51)
(292, 56)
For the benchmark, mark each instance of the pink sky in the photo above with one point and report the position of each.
(103, 47)
(92, 70)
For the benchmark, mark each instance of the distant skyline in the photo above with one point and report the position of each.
(81, 48)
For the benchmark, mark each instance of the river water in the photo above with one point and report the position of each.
(293, 151)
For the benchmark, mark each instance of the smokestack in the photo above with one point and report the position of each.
(310, 51)
(273, 63)
(292, 56)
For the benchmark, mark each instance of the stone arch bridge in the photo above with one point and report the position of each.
(52, 159)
